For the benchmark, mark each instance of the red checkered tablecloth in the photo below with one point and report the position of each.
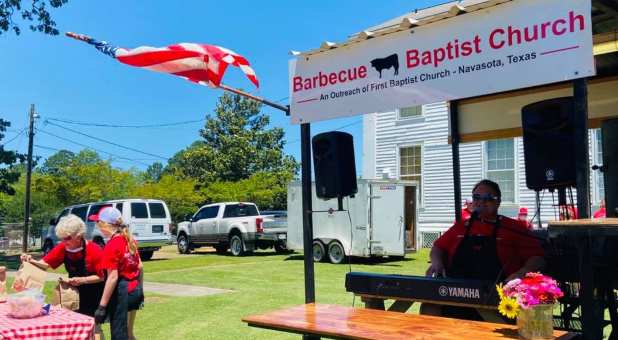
(59, 324)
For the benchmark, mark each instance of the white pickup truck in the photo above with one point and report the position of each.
(237, 226)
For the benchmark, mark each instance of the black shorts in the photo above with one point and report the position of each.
(136, 298)
(120, 304)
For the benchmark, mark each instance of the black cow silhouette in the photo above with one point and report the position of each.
(385, 63)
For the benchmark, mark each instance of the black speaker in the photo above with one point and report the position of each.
(333, 164)
(609, 133)
(549, 143)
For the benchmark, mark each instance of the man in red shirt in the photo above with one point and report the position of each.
(601, 212)
(466, 212)
(487, 247)
(523, 217)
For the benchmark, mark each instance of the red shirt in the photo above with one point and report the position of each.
(94, 254)
(599, 213)
(514, 248)
(465, 214)
(527, 224)
(116, 255)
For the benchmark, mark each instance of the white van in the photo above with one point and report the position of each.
(149, 222)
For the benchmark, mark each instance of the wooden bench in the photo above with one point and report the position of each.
(340, 322)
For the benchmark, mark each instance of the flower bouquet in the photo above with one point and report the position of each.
(531, 299)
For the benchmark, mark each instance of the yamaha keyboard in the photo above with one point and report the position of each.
(446, 291)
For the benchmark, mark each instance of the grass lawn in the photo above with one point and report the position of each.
(261, 283)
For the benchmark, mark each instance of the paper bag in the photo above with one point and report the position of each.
(66, 296)
(29, 276)
(2, 284)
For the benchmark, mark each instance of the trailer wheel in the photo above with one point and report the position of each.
(336, 254)
(319, 251)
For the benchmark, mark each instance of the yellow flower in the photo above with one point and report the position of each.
(508, 307)
(500, 291)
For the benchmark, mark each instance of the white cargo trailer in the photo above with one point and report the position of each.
(380, 221)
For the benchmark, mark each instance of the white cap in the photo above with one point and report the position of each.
(109, 215)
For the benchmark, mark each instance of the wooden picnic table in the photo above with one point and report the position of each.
(340, 322)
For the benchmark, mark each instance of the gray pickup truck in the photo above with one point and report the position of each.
(237, 226)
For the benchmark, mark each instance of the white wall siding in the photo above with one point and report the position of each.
(436, 212)
(369, 146)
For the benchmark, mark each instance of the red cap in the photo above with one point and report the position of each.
(95, 217)
(523, 211)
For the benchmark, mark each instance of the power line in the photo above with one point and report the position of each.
(108, 142)
(46, 147)
(15, 137)
(74, 122)
(89, 147)
(115, 158)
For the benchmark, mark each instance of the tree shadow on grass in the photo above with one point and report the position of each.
(371, 261)
(259, 253)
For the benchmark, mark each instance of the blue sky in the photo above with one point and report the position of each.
(69, 80)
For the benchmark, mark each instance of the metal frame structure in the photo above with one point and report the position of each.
(605, 13)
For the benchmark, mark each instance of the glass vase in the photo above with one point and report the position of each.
(536, 322)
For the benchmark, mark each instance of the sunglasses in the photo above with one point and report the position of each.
(68, 238)
(485, 197)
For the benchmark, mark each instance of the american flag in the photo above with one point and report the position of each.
(199, 63)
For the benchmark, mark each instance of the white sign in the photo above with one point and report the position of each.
(514, 45)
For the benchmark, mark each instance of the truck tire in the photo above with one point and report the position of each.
(237, 245)
(145, 255)
(319, 251)
(336, 254)
(280, 248)
(183, 244)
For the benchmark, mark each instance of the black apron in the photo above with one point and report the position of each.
(89, 294)
(476, 258)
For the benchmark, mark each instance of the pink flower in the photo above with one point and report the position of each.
(533, 289)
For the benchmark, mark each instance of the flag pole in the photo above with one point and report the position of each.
(285, 109)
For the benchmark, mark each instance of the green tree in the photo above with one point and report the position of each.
(179, 194)
(43, 205)
(36, 12)
(55, 163)
(267, 190)
(85, 177)
(8, 173)
(236, 143)
(154, 172)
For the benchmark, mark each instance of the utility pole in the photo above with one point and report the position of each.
(24, 246)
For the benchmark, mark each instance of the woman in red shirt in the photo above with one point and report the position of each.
(123, 294)
(81, 259)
